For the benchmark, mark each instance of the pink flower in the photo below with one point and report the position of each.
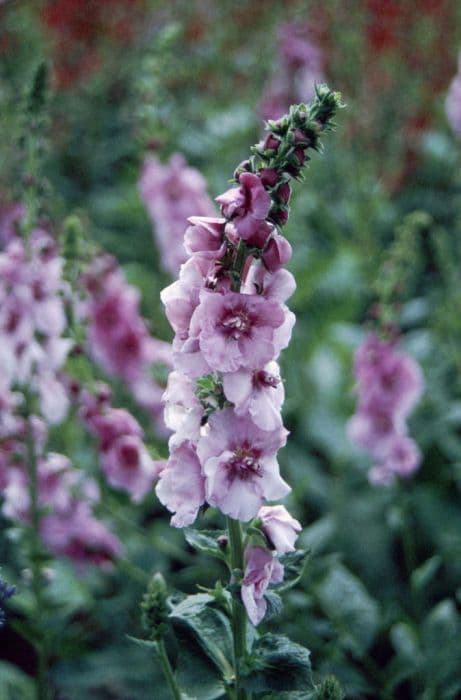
(387, 377)
(128, 466)
(279, 527)
(402, 456)
(183, 411)
(112, 424)
(259, 393)
(81, 537)
(389, 383)
(205, 235)
(277, 253)
(171, 192)
(240, 465)
(237, 330)
(181, 486)
(247, 206)
(261, 569)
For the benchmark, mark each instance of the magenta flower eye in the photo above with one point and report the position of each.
(236, 324)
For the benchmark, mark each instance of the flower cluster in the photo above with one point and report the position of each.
(32, 323)
(6, 592)
(389, 384)
(124, 458)
(118, 337)
(33, 350)
(170, 192)
(299, 68)
(66, 499)
(231, 323)
(453, 102)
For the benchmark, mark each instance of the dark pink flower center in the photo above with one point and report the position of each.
(263, 378)
(236, 323)
(244, 465)
(129, 456)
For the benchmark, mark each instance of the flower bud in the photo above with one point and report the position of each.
(269, 176)
(280, 216)
(277, 253)
(154, 607)
(279, 527)
(284, 192)
(271, 142)
(244, 166)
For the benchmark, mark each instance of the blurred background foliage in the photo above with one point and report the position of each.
(379, 605)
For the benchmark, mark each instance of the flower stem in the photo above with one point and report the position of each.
(36, 566)
(238, 611)
(167, 670)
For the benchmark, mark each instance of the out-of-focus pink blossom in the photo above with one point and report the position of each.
(33, 321)
(125, 461)
(172, 192)
(261, 569)
(118, 337)
(389, 384)
(298, 67)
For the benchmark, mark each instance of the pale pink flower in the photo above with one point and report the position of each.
(259, 393)
(247, 206)
(181, 486)
(237, 330)
(240, 465)
(183, 411)
(261, 569)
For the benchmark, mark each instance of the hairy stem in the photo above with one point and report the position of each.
(238, 611)
(167, 670)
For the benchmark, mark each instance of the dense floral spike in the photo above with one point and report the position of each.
(118, 337)
(33, 322)
(170, 192)
(299, 67)
(389, 384)
(124, 458)
(228, 312)
(67, 498)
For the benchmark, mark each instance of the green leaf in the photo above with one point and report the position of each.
(350, 607)
(209, 626)
(274, 605)
(294, 564)
(423, 575)
(14, 684)
(278, 664)
(195, 672)
(206, 541)
(441, 632)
